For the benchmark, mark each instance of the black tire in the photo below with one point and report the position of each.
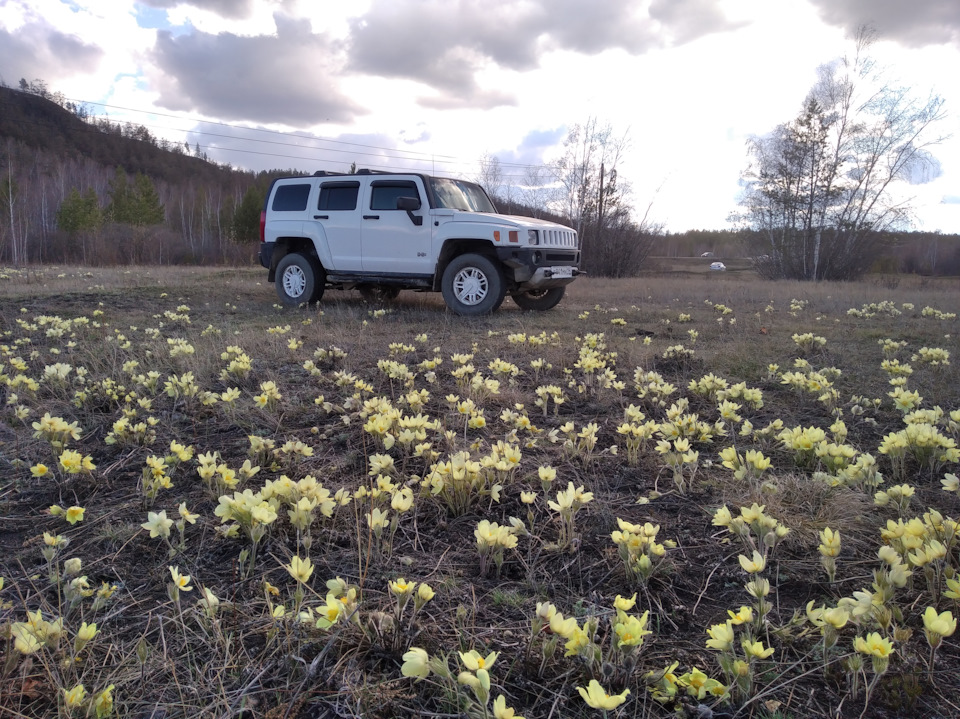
(539, 300)
(299, 280)
(378, 293)
(473, 285)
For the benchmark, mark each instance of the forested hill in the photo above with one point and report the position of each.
(41, 123)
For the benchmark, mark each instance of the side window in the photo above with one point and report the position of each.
(385, 194)
(291, 198)
(338, 196)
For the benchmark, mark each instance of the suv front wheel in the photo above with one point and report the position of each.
(300, 280)
(473, 285)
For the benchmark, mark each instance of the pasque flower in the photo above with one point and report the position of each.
(157, 524)
(300, 569)
(180, 581)
(416, 663)
(596, 696)
(874, 645)
(937, 626)
(753, 565)
(473, 660)
(502, 711)
(721, 636)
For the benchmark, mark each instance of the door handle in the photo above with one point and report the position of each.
(321, 217)
(371, 217)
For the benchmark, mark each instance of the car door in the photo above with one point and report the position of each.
(393, 242)
(338, 213)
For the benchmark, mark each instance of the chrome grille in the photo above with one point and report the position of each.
(558, 238)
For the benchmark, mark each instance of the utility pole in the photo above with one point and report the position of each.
(600, 201)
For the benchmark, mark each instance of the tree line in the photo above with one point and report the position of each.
(817, 202)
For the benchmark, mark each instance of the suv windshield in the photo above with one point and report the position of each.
(460, 195)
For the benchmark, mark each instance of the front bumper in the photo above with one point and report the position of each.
(537, 268)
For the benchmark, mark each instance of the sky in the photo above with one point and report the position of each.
(435, 85)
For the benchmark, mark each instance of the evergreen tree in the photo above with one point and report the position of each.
(246, 218)
(138, 204)
(79, 213)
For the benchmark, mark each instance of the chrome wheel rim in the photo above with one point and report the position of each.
(294, 281)
(470, 286)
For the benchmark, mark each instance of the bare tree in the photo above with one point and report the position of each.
(538, 190)
(491, 174)
(594, 199)
(823, 188)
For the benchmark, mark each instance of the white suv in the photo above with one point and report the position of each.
(381, 233)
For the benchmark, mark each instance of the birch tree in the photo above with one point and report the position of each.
(824, 187)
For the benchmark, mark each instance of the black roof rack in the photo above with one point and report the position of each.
(327, 173)
(367, 171)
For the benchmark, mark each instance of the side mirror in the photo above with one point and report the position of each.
(410, 205)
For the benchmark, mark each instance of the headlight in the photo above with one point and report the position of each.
(532, 237)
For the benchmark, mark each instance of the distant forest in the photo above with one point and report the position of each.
(80, 189)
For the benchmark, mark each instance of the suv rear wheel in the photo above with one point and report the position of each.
(539, 300)
(300, 280)
(473, 285)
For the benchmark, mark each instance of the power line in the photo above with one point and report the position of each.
(424, 156)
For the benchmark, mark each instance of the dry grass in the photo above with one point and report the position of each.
(167, 661)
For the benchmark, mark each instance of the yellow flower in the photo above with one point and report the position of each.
(180, 581)
(39, 470)
(401, 587)
(73, 698)
(721, 636)
(754, 565)
(87, 631)
(755, 649)
(74, 514)
(942, 625)
(330, 613)
(24, 640)
(722, 517)
(836, 617)
(425, 592)
(625, 605)
(416, 663)
(546, 610)
(300, 569)
(158, 524)
(561, 626)
(874, 645)
(528, 497)
(186, 514)
(830, 542)
(473, 661)
(103, 704)
(402, 500)
(209, 603)
(577, 642)
(596, 696)
(502, 711)
(71, 461)
(631, 631)
(744, 616)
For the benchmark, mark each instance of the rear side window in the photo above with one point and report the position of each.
(385, 194)
(291, 198)
(338, 196)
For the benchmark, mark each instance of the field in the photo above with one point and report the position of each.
(682, 494)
